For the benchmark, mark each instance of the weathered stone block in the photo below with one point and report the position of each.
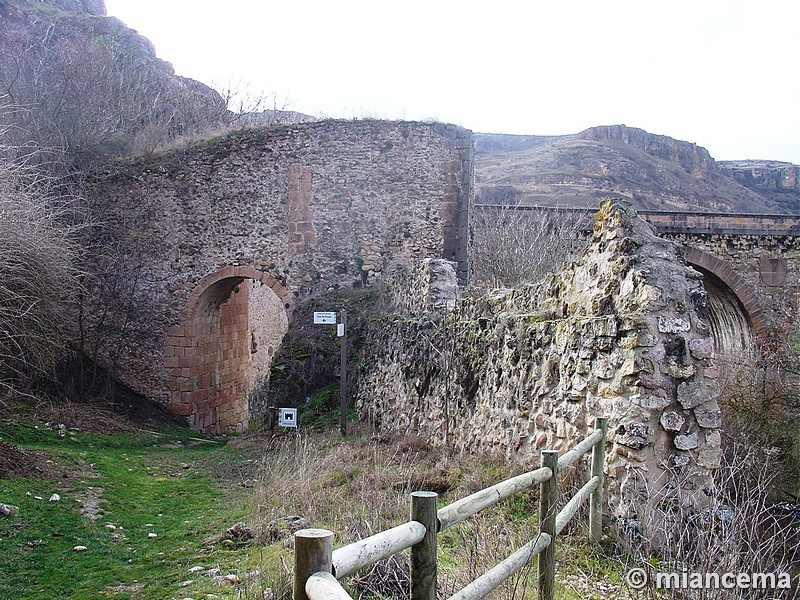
(681, 459)
(676, 370)
(708, 418)
(655, 401)
(673, 324)
(606, 326)
(686, 442)
(672, 421)
(710, 458)
(713, 438)
(695, 393)
(182, 410)
(636, 435)
(701, 348)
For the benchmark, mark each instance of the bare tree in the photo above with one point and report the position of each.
(79, 93)
(515, 245)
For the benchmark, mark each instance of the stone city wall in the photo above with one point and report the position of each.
(295, 210)
(620, 334)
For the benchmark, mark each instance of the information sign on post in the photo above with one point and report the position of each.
(340, 320)
(287, 417)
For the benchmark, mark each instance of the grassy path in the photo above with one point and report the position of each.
(152, 506)
(142, 504)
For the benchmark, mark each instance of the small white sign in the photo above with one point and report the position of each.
(287, 417)
(340, 330)
(325, 318)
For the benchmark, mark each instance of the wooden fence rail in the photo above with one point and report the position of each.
(318, 568)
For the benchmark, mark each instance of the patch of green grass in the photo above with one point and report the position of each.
(323, 408)
(115, 491)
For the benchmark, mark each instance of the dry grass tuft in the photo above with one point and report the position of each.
(361, 486)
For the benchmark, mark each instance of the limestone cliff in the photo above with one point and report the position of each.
(770, 178)
(654, 172)
(693, 158)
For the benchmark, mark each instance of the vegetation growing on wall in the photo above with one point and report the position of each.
(306, 367)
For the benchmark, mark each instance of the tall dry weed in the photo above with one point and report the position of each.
(36, 278)
(743, 529)
(361, 486)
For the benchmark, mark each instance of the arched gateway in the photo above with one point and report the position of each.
(734, 313)
(232, 323)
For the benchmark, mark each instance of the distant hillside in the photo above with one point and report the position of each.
(655, 172)
(78, 87)
(772, 179)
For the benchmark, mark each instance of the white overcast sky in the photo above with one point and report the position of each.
(724, 74)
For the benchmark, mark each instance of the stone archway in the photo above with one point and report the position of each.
(735, 316)
(212, 356)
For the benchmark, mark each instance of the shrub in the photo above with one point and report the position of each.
(512, 246)
(35, 280)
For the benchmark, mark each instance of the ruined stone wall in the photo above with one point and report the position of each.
(300, 210)
(620, 334)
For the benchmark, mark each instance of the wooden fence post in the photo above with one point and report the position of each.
(548, 491)
(596, 499)
(313, 550)
(423, 554)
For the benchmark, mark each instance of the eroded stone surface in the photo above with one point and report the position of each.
(519, 371)
(686, 442)
(695, 393)
(672, 421)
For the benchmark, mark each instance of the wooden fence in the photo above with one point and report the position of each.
(318, 567)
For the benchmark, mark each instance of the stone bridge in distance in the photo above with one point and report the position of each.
(208, 248)
(750, 265)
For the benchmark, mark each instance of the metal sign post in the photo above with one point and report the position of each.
(330, 318)
(341, 331)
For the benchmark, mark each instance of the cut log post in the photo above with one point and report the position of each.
(596, 499)
(423, 554)
(313, 549)
(548, 491)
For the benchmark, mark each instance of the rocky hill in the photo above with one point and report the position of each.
(655, 172)
(78, 87)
